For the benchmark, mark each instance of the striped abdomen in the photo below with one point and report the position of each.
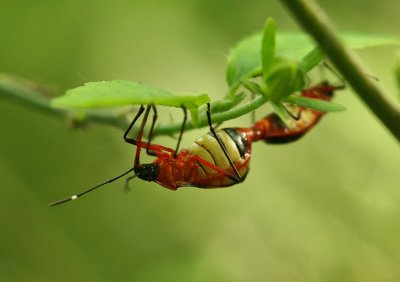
(238, 147)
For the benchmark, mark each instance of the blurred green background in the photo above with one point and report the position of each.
(326, 208)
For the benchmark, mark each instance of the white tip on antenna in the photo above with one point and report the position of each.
(74, 197)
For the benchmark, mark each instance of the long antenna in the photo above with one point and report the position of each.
(74, 197)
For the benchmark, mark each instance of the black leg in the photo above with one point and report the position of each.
(126, 138)
(295, 117)
(148, 144)
(238, 177)
(134, 141)
(182, 130)
(126, 187)
(155, 116)
(342, 83)
(140, 136)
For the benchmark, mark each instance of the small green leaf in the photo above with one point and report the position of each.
(268, 46)
(122, 92)
(316, 104)
(311, 59)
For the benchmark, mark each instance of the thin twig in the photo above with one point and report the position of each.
(27, 94)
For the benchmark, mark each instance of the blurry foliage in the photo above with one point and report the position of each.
(342, 226)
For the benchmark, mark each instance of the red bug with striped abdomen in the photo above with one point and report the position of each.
(219, 158)
(273, 130)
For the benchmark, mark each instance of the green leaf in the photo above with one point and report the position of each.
(311, 59)
(268, 46)
(316, 104)
(357, 40)
(245, 58)
(121, 93)
(352, 40)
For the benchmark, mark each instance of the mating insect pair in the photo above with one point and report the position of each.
(219, 158)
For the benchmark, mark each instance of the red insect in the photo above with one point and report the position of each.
(273, 130)
(220, 158)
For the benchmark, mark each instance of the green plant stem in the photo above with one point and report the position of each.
(28, 95)
(217, 117)
(314, 20)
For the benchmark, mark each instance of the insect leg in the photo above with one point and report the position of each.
(152, 147)
(238, 177)
(155, 115)
(334, 72)
(182, 130)
(126, 138)
(216, 168)
(140, 136)
(126, 187)
(157, 149)
(295, 117)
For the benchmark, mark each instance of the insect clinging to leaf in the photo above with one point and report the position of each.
(220, 158)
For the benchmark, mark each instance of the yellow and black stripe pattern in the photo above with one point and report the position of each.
(207, 148)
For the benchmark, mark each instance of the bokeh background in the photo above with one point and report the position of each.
(326, 208)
